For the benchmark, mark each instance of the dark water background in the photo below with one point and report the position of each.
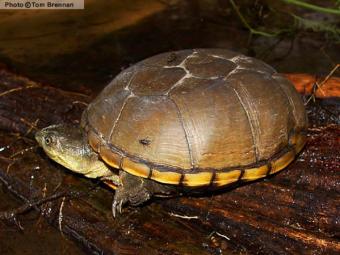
(83, 50)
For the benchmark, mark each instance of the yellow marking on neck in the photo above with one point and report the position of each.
(69, 164)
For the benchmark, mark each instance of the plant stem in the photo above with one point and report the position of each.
(246, 24)
(313, 7)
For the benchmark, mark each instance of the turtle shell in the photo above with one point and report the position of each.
(197, 117)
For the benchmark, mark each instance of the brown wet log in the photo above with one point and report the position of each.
(294, 212)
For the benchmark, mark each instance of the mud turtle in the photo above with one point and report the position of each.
(186, 119)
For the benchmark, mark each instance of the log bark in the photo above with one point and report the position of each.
(293, 212)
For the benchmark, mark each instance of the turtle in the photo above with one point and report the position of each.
(196, 119)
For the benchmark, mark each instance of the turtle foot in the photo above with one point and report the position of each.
(133, 197)
(139, 198)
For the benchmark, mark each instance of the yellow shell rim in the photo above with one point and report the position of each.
(197, 177)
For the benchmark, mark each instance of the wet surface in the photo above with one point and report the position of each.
(33, 235)
(303, 199)
(81, 51)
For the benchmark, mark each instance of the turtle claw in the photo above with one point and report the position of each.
(114, 205)
(117, 206)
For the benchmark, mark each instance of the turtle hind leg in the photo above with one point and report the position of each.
(136, 190)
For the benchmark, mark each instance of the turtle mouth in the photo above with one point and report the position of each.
(39, 137)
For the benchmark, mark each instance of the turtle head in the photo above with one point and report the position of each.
(64, 144)
(68, 146)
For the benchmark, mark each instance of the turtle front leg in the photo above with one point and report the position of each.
(136, 190)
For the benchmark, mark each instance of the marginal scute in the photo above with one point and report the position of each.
(166, 177)
(93, 140)
(282, 162)
(197, 179)
(300, 142)
(110, 157)
(223, 179)
(293, 137)
(135, 168)
(297, 140)
(251, 174)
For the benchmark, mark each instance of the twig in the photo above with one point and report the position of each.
(183, 216)
(31, 125)
(80, 102)
(221, 235)
(17, 89)
(7, 160)
(318, 86)
(43, 207)
(13, 156)
(218, 234)
(9, 166)
(60, 217)
(11, 214)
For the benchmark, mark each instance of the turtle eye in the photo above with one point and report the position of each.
(48, 140)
